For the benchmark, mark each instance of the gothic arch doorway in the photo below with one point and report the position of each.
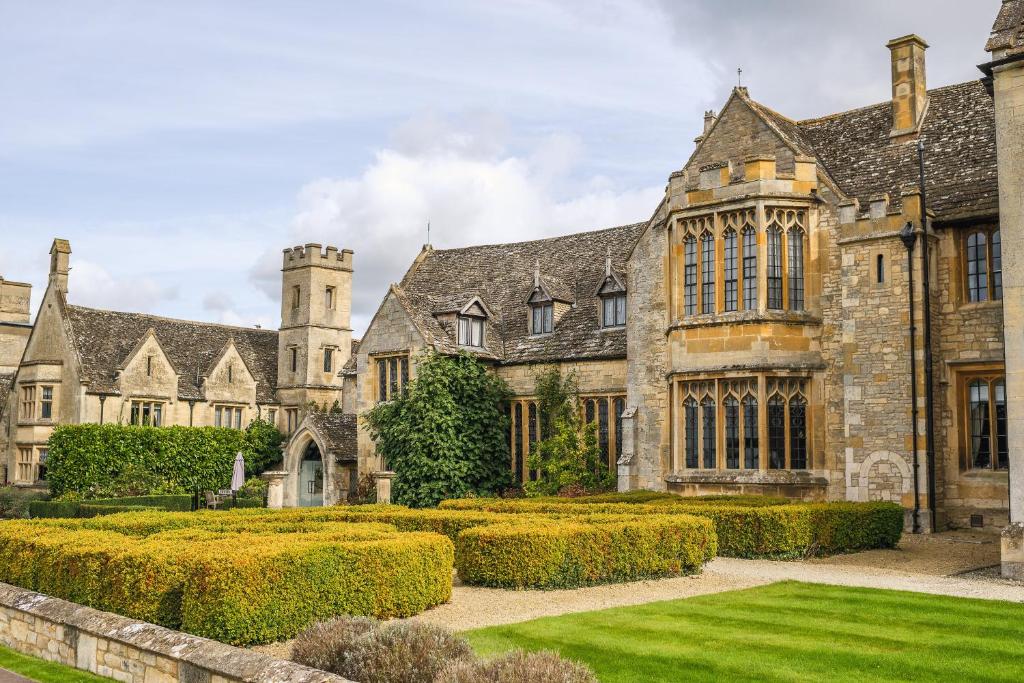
(311, 477)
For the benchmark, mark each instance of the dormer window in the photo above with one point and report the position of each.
(471, 331)
(614, 309)
(543, 318)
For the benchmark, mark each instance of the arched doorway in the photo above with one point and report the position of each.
(311, 477)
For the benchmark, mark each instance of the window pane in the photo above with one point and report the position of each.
(549, 317)
(798, 433)
(382, 381)
(776, 433)
(463, 331)
(405, 372)
(146, 413)
(532, 428)
(707, 264)
(158, 413)
(1002, 445)
(751, 458)
(732, 433)
(977, 268)
(690, 421)
(238, 418)
(602, 427)
(708, 410)
(620, 309)
(749, 269)
(538, 324)
(774, 269)
(609, 312)
(620, 408)
(135, 414)
(997, 266)
(517, 431)
(690, 275)
(328, 358)
(796, 270)
(731, 282)
(478, 332)
(980, 441)
(393, 378)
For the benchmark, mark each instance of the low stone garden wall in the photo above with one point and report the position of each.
(130, 650)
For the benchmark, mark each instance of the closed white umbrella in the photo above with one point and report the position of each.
(238, 475)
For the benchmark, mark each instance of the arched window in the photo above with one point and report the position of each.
(797, 433)
(707, 266)
(690, 424)
(708, 432)
(776, 433)
(774, 269)
(749, 269)
(796, 269)
(977, 267)
(620, 408)
(731, 270)
(751, 459)
(732, 432)
(690, 275)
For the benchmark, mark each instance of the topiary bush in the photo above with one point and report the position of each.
(518, 667)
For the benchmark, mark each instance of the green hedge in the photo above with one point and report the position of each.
(554, 554)
(89, 457)
(73, 508)
(744, 530)
(239, 587)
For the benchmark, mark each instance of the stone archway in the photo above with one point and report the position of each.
(310, 480)
(884, 475)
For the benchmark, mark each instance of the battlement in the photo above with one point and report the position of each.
(14, 301)
(716, 181)
(882, 216)
(313, 254)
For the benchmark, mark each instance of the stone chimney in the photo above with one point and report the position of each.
(909, 88)
(60, 258)
(709, 120)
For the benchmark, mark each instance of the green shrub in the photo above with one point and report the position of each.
(95, 461)
(564, 554)
(73, 508)
(89, 510)
(404, 653)
(518, 667)
(327, 644)
(15, 501)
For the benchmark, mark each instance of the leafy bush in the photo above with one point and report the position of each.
(111, 460)
(446, 435)
(371, 652)
(568, 456)
(264, 447)
(327, 644)
(518, 667)
(224, 582)
(15, 501)
(565, 554)
(73, 508)
(253, 488)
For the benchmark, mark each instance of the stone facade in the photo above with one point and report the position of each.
(132, 651)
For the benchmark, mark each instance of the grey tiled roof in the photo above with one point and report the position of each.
(502, 275)
(105, 339)
(960, 151)
(338, 432)
(1008, 30)
(6, 379)
(350, 364)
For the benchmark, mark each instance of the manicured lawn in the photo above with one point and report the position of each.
(785, 632)
(43, 671)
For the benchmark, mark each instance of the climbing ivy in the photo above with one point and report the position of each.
(446, 434)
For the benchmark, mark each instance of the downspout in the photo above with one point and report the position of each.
(909, 237)
(103, 399)
(929, 382)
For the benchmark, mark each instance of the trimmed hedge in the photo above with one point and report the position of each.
(572, 554)
(745, 530)
(239, 587)
(74, 508)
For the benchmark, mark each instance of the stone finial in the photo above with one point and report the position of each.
(608, 263)
(536, 274)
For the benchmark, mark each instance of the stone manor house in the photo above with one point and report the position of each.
(764, 331)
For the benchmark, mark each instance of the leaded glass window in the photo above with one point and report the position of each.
(797, 433)
(977, 267)
(751, 459)
(732, 432)
(730, 271)
(690, 422)
(988, 447)
(796, 270)
(707, 265)
(690, 275)
(776, 433)
(774, 236)
(708, 432)
(749, 269)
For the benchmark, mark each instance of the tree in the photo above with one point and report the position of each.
(446, 434)
(568, 456)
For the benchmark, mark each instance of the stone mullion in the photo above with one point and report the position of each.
(719, 265)
(673, 417)
(762, 423)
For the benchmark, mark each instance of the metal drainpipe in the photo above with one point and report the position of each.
(909, 237)
(103, 399)
(929, 388)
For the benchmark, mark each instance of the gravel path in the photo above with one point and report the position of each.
(944, 564)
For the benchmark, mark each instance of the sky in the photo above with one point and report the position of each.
(181, 146)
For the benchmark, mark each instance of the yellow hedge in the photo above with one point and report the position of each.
(232, 585)
(563, 554)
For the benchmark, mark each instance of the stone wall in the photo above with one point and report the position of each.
(133, 651)
(595, 377)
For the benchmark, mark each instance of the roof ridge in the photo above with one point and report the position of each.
(846, 112)
(173, 320)
(541, 239)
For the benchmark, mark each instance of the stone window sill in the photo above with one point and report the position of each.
(736, 317)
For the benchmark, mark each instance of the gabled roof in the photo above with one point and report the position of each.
(337, 431)
(1008, 31)
(960, 152)
(104, 340)
(502, 275)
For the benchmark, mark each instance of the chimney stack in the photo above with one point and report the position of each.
(709, 120)
(60, 257)
(909, 89)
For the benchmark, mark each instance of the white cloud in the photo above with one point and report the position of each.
(91, 284)
(470, 193)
